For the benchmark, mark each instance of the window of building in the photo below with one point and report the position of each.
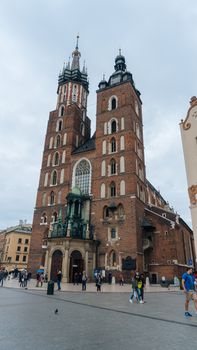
(54, 178)
(51, 142)
(113, 233)
(25, 249)
(82, 174)
(49, 160)
(61, 111)
(59, 125)
(57, 141)
(24, 258)
(46, 180)
(26, 241)
(104, 147)
(105, 212)
(113, 103)
(54, 217)
(103, 168)
(113, 166)
(122, 187)
(19, 240)
(113, 145)
(56, 159)
(122, 164)
(120, 211)
(122, 143)
(43, 218)
(52, 198)
(103, 190)
(62, 176)
(59, 197)
(44, 199)
(113, 126)
(17, 257)
(65, 139)
(112, 189)
(18, 249)
(74, 93)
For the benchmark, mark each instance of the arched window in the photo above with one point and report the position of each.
(120, 211)
(54, 178)
(113, 145)
(59, 125)
(61, 111)
(52, 198)
(62, 176)
(105, 212)
(122, 164)
(103, 191)
(113, 126)
(103, 168)
(136, 108)
(59, 197)
(122, 187)
(65, 139)
(113, 166)
(63, 156)
(48, 160)
(122, 143)
(104, 147)
(112, 189)
(43, 218)
(44, 199)
(46, 179)
(51, 142)
(113, 103)
(54, 217)
(56, 159)
(82, 173)
(57, 141)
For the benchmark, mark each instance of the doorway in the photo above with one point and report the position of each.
(76, 266)
(56, 264)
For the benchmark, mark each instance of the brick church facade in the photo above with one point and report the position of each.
(95, 209)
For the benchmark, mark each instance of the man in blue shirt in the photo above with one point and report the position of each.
(190, 294)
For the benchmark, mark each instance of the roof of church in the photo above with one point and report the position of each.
(87, 146)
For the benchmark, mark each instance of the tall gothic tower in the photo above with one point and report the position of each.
(119, 171)
(68, 129)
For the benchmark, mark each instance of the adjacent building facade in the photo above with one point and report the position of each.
(14, 246)
(95, 208)
(188, 128)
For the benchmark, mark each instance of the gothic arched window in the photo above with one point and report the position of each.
(52, 198)
(113, 126)
(113, 166)
(113, 145)
(56, 159)
(82, 176)
(57, 141)
(112, 189)
(105, 212)
(54, 178)
(113, 103)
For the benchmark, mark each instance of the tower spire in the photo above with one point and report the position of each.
(76, 56)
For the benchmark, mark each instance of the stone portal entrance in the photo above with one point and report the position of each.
(76, 265)
(56, 264)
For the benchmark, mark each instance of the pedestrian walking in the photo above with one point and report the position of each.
(121, 281)
(37, 279)
(134, 293)
(76, 278)
(98, 282)
(142, 282)
(189, 289)
(84, 280)
(1, 277)
(59, 279)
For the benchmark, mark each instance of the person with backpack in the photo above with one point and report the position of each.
(189, 289)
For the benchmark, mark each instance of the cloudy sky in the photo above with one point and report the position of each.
(159, 42)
